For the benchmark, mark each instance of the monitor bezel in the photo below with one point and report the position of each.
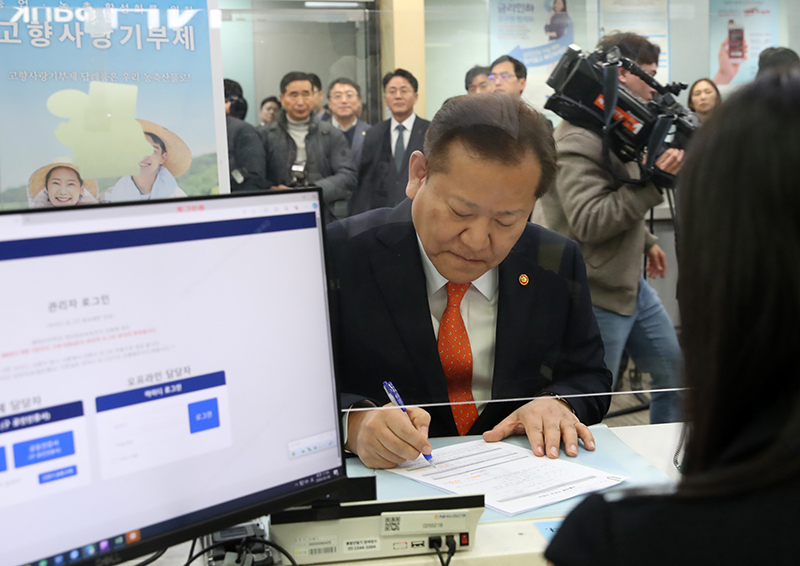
(248, 512)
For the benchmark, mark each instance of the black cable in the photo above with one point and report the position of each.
(152, 558)
(242, 545)
(191, 550)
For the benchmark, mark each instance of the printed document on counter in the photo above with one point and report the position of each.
(511, 477)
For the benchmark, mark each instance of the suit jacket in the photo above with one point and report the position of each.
(358, 141)
(547, 338)
(380, 184)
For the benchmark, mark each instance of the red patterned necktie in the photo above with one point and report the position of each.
(456, 356)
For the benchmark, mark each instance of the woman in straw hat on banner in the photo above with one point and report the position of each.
(60, 184)
(157, 172)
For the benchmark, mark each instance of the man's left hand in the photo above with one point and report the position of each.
(656, 262)
(547, 421)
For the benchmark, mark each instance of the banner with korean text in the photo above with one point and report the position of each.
(109, 103)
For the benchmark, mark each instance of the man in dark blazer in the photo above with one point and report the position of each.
(383, 170)
(527, 310)
(344, 99)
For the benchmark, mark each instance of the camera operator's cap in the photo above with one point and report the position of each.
(179, 156)
(37, 180)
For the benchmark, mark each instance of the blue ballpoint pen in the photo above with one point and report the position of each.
(394, 397)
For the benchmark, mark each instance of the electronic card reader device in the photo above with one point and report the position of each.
(378, 529)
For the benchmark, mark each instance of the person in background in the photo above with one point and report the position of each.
(739, 302)
(247, 154)
(383, 171)
(557, 21)
(344, 98)
(777, 59)
(703, 98)
(269, 109)
(508, 75)
(306, 151)
(318, 95)
(477, 80)
(606, 216)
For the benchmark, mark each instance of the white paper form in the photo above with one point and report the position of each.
(512, 479)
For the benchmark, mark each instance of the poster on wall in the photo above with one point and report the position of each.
(108, 103)
(649, 18)
(739, 30)
(537, 32)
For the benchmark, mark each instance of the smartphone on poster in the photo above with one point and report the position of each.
(735, 40)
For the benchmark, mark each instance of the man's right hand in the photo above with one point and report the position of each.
(670, 161)
(384, 438)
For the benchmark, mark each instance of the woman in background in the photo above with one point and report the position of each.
(739, 300)
(170, 159)
(703, 98)
(60, 184)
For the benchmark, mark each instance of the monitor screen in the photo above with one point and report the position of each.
(165, 370)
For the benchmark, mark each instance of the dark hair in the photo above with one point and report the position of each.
(475, 71)
(47, 177)
(316, 82)
(694, 84)
(631, 45)
(238, 107)
(270, 99)
(232, 88)
(777, 59)
(496, 127)
(739, 291)
(158, 140)
(565, 4)
(345, 81)
(520, 70)
(294, 76)
(401, 73)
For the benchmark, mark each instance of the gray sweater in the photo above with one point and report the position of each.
(606, 218)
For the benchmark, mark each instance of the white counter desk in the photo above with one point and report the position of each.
(642, 453)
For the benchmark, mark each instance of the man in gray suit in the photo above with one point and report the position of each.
(344, 99)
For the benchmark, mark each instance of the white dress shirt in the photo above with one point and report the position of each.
(408, 123)
(479, 312)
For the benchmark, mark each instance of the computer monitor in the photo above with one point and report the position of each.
(165, 371)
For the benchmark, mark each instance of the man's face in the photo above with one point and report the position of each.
(149, 165)
(480, 84)
(399, 96)
(470, 216)
(637, 85)
(298, 100)
(505, 80)
(268, 111)
(343, 100)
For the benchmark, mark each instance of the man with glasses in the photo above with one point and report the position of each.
(477, 80)
(508, 75)
(307, 151)
(383, 171)
(344, 100)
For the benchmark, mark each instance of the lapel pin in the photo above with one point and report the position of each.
(524, 279)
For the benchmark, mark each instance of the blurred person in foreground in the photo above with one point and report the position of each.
(739, 298)
(703, 98)
(454, 296)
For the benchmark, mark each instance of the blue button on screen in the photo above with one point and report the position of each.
(58, 474)
(44, 449)
(2, 458)
(203, 415)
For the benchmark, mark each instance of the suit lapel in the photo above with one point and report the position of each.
(401, 279)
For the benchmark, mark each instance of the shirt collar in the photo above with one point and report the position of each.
(486, 284)
(338, 126)
(408, 123)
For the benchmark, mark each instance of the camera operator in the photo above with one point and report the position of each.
(606, 217)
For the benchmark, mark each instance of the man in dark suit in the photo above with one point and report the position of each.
(383, 171)
(454, 296)
(344, 99)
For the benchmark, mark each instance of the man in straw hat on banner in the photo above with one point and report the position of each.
(60, 184)
(170, 159)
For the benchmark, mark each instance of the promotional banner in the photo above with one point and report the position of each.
(537, 32)
(107, 103)
(739, 30)
(649, 18)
